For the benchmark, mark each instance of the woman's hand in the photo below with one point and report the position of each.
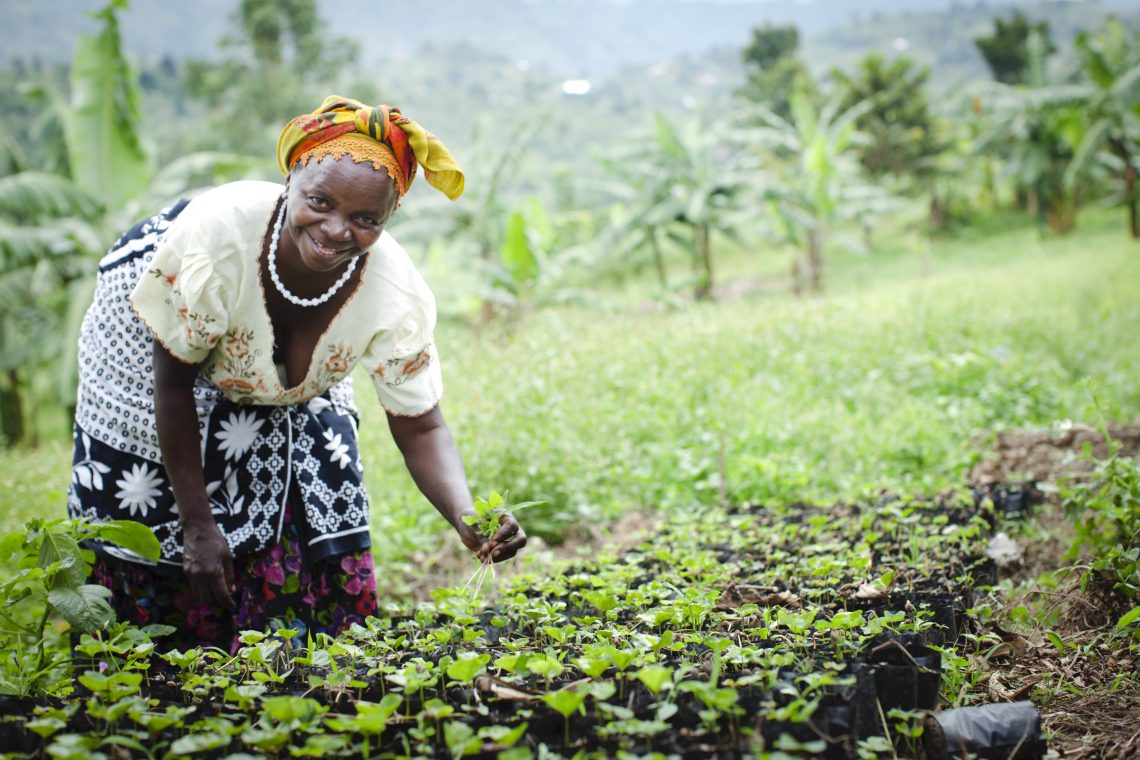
(432, 459)
(206, 558)
(208, 563)
(508, 539)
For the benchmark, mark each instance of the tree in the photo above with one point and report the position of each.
(1035, 129)
(514, 250)
(898, 125)
(773, 71)
(901, 135)
(48, 226)
(1006, 49)
(1111, 124)
(813, 177)
(278, 53)
(53, 227)
(688, 184)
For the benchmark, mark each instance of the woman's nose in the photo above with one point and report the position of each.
(337, 229)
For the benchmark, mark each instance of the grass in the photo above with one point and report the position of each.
(882, 384)
(891, 380)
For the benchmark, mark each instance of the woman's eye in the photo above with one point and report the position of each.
(369, 221)
(318, 201)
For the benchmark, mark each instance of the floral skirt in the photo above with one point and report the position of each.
(276, 588)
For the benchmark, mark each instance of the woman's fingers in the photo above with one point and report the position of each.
(507, 540)
(213, 589)
(508, 528)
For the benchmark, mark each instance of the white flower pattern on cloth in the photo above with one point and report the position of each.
(229, 501)
(138, 488)
(238, 434)
(318, 404)
(89, 472)
(339, 450)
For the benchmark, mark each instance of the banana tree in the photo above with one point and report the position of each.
(681, 184)
(47, 226)
(1111, 123)
(1035, 130)
(503, 246)
(54, 227)
(813, 178)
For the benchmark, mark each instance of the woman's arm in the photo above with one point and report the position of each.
(206, 557)
(436, 467)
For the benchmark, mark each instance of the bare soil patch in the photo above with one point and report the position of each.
(1088, 694)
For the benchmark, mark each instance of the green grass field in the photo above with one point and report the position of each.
(894, 379)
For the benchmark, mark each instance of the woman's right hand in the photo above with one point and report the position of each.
(208, 564)
(206, 557)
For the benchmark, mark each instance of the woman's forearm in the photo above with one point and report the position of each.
(434, 463)
(177, 420)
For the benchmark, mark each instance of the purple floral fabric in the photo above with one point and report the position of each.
(276, 588)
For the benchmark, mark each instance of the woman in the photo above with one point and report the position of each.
(215, 403)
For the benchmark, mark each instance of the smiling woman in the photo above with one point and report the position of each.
(215, 403)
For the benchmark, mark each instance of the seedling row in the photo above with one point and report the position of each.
(795, 630)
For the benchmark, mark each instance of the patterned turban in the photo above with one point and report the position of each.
(380, 134)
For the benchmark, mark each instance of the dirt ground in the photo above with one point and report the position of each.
(1089, 696)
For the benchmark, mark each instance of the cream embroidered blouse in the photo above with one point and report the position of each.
(202, 298)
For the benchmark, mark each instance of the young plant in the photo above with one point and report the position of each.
(489, 514)
(50, 580)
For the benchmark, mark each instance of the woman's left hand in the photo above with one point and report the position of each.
(508, 539)
(432, 459)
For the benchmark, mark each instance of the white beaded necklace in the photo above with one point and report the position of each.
(288, 294)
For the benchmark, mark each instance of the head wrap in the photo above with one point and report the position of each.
(380, 134)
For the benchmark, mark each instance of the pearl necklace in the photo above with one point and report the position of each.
(289, 295)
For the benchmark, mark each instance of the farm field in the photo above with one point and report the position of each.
(815, 576)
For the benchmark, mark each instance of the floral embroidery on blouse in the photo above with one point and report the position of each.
(196, 323)
(398, 370)
(200, 296)
(340, 361)
(235, 366)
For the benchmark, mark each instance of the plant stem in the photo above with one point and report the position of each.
(40, 648)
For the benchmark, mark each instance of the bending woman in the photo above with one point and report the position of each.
(215, 403)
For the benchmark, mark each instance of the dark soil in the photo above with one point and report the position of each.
(1089, 696)
(1048, 456)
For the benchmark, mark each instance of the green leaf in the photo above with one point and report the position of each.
(130, 535)
(101, 127)
(504, 736)
(654, 676)
(1128, 618)
(565, 701)
(62, 550)
(194, 744)
(85, 607)
(460, 738)
(469, 665)
(517, 256)
(286, 709)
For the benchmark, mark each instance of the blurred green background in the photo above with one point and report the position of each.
(708, 252)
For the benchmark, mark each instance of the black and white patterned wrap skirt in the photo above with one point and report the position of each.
(254, 457)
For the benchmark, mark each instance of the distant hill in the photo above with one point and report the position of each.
(573, 38)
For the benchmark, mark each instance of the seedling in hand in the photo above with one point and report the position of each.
(489, 514)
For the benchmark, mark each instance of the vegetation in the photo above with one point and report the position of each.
(804, 442)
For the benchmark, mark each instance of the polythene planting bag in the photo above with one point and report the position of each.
(1008, 730)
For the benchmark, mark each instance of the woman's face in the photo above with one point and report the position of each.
(336, 210)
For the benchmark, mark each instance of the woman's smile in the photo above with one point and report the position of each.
(329, 254)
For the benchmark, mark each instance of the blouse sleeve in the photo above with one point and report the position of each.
(404, 365)
(179, 296)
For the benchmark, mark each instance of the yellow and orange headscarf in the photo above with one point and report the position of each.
(380, 134)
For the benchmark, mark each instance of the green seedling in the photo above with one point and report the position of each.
(489, 513)
(565, 702)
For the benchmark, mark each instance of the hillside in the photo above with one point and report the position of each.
(575, 38)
